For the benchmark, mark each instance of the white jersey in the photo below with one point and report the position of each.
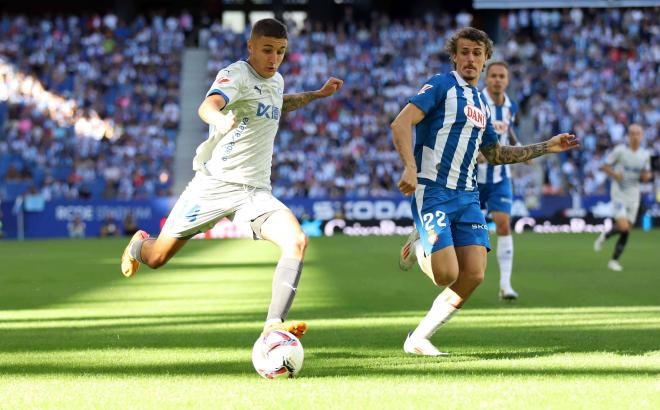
(630, 164)
(244, 155)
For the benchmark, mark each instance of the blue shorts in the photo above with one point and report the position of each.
(496, 197)
(448, 217)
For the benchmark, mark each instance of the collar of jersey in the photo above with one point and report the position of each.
(460, 79)
(253, 71)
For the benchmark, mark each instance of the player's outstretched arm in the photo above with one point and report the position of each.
(294, 101)
(498, 154)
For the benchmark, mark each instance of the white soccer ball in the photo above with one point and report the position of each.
(279, 354)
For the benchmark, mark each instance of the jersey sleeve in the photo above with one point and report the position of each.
(647, 162)
(490, 137)
(227, 84)
(430, 96)
(613, 157)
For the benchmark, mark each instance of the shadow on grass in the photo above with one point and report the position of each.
(396, 365)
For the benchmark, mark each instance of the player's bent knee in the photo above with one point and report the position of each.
(296, 246)
(445, 277)
(475, 278)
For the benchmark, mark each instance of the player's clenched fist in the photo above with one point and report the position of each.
(224, 122)
(330, 87)
(408, 181)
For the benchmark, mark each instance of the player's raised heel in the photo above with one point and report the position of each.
(129, 266)
(407, 257)
(421, 347)
(508, 294)
(297, 328)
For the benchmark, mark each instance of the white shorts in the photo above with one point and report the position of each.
(625, 208)
(206, 200)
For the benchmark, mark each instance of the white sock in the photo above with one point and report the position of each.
(271, 322)
(440, 313)
(505, 259)
(423, 260)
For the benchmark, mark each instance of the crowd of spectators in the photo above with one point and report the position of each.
(89, 105)
(591, 72)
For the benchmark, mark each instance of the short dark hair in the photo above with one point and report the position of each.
(473, 34)
(497, 62)
(269, 28)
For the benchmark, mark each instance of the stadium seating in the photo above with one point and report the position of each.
(564, 69)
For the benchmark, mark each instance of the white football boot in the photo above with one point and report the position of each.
(421, 347)
(614, 265)
(407, 256)
(508, 294)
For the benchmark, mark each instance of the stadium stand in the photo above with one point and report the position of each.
(566, 70)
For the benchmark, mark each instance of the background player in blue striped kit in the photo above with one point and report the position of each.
(452, 125)
(495, 190)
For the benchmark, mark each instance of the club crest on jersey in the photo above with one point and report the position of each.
(475, 115)
(424, 88)
(432, 236)
(222, 80)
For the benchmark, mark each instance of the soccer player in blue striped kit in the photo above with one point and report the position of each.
(453, 124)
(495, 190)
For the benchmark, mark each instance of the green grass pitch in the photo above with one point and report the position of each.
(75, 334)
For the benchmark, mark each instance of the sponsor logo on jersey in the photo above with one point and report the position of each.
(475, 115)
(256, 87)
(222, 80)
(480, 226)
(424, 88)
(269, 111)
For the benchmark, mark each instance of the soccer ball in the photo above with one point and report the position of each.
(279, 354)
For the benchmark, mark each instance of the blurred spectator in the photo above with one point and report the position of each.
(76, 228)
(129, 227)
(109, 227)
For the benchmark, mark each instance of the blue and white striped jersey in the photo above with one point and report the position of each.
(457, 123)
(502, 117)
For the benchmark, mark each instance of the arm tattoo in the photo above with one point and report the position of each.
(295, 101)
(498, 155)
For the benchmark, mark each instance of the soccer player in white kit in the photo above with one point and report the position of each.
(243, 108)
(627, 166)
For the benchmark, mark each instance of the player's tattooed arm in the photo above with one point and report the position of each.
(498, 155)
(294, 101)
